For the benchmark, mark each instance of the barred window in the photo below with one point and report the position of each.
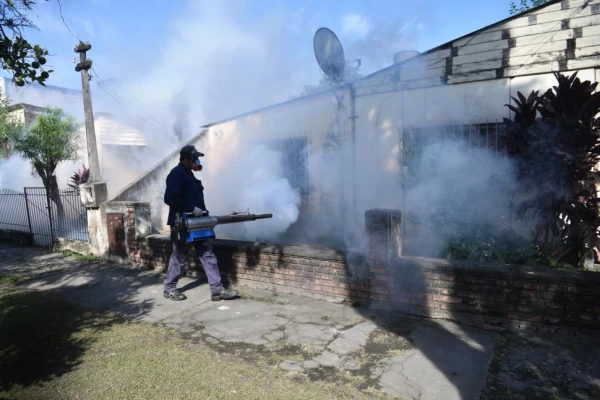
(295, 161)
(489, 136)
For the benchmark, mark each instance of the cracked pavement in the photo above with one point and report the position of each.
(409, 358)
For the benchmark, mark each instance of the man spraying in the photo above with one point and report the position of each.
(185, 194)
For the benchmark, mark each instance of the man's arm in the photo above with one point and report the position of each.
(173, 191)
(202, 205)
(201, 189)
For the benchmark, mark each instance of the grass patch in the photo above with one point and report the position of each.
(9, 279)
(50, 348)
(77, 256)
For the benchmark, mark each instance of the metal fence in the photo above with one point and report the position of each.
(46, 217)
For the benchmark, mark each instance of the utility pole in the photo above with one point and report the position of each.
(94, 192)
(90, 133)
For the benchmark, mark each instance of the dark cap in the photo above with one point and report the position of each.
(190, 151)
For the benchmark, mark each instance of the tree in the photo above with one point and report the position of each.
(525, 5)
(350, 74)
(24, 60)
(9, 126)
(53, 138)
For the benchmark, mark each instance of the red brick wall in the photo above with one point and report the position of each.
(495, 296)
(492, 296)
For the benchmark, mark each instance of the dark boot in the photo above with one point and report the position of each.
(174, 295)
(225, 295)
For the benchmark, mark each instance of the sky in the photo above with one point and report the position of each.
(167, 52)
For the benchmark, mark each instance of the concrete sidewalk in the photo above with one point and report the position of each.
(409, 358)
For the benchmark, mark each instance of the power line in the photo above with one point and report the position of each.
(123, 102)
(65, 22)
(113, 93)
(115, 90)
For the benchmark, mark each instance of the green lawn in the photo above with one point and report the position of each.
(52, 349)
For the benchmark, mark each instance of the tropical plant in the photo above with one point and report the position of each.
(492, 245)
(556, 156)
(79, 178)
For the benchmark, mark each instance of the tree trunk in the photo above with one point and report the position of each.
(59, 218)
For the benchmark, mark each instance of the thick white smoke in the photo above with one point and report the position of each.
(239, 175)
(17, 173)
(458, 186)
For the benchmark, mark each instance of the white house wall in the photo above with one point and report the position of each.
(224, 143)
(472, 102)
(525, 84)
(381, 118)
(378, 128)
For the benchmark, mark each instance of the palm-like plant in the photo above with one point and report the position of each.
(556, 157)
(80, 177)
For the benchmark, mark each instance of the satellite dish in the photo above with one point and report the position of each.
(329, 53)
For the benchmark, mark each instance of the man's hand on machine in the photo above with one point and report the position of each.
(198, 212)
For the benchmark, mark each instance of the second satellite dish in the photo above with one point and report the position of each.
(329, 53)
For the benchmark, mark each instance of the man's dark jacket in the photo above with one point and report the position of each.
(183, 192)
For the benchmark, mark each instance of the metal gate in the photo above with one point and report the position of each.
(42, 215)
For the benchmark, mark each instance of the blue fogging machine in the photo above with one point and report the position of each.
(189, 228)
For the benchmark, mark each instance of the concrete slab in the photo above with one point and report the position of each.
(328, 359)
(353, 339)
(449, 362)
(242, 322)
(316, 336)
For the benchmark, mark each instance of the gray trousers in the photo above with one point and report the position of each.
(207, 257)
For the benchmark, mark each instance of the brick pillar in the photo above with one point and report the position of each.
(130, 233)
(137, 218)
(384, 230)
